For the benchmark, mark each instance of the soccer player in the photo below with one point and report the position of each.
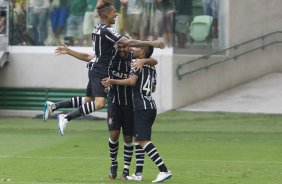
(143, 84)
(104, 41)
(120, 108)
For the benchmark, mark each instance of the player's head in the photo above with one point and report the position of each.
(143, 52)
(122, 49)
(148, 51)
(107, 12)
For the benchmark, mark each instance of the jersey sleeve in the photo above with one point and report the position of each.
(134, 71)
(155, 79)
(112, 34)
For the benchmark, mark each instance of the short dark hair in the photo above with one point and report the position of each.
(104, 8)
(148, 51)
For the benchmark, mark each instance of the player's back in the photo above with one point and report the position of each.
(104, 39)
(142, 91)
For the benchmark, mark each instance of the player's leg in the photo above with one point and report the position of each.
(127, 155)
(139, 155)
(73, 102)
(128, 130)
(143, 137)
(139, 152)
(114, 127)
(87, 108)
(94, 89)
(113, 147)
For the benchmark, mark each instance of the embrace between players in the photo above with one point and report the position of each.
(125, 67)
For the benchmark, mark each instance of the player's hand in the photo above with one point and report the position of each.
(106, 82)
(62, 49)
(158, 44)
(138, 64)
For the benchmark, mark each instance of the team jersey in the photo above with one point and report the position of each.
(104, 39)
(142, 91)
(120, 69)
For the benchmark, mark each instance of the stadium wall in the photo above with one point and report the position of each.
(40, 67)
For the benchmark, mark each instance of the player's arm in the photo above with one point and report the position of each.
(153, 89)
(138, 64)
(154, 83)
(131, 81)
(139, 43)
(64, 49)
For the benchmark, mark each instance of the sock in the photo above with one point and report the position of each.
(128, 151)
(86, 108)
(63, 104)
(113, 151)
(152, 152)
(139, 154)
(74, 102)
(77, 101)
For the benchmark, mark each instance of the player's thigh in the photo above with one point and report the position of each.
(98, 90)
(114, 118)
(143, 121)
(127, 121)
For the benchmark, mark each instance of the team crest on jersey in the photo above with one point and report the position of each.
(110, 121)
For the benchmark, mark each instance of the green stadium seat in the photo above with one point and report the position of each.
(200, 28)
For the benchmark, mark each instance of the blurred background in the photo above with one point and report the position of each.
(179, 23)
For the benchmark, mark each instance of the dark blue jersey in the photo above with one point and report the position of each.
(142, 91)
(104, 39)
(120, 69)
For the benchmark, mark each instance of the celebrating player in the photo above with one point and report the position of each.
(104, 40)
(143, 84)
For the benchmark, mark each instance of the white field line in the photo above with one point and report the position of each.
(180, 160)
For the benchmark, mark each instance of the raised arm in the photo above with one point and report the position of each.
(139, 43)
(138, 64)
(64, 49)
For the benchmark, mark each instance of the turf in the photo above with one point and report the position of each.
(199, 148)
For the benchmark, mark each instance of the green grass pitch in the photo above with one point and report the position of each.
(199, 148)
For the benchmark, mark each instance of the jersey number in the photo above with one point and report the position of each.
(147, 86)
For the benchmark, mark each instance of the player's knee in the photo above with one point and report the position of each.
(128, 139)
(114, 135)
(99, 105)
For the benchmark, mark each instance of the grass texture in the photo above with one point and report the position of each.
(198, 148)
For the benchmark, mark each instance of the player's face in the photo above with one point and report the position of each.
(122, 50)
(112, 15)
(138, 51)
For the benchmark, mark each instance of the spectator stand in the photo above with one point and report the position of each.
(4, 33)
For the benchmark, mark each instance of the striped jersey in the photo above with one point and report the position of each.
(120, 69)
(142, 91)
(104, 38)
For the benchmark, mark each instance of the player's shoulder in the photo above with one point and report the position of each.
(149, 67)
(113, 31)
